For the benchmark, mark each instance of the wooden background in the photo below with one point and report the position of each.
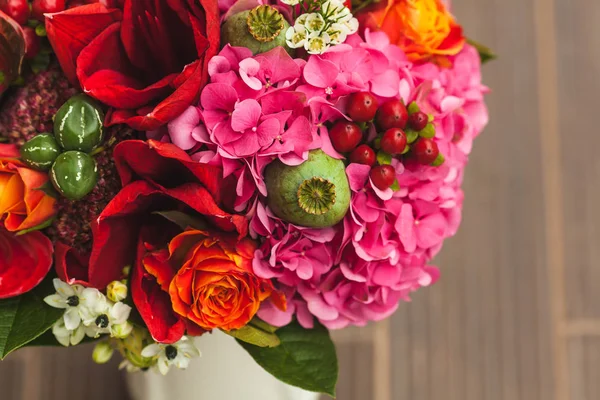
(516, 315)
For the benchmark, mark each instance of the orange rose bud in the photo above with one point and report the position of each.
(215, 286)
(22, 205)
(424, 29)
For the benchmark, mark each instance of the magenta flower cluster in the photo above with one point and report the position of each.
(270, 106)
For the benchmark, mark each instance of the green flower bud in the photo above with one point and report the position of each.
(103, 352)
(74, 174)
(131, 347)
(116, 291)
(260, 29)
(78, 124)
(40, 152)
(315, 193)
(121, 331)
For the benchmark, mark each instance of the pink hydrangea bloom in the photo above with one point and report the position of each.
(267, 107)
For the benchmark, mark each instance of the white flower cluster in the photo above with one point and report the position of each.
(327, 26)
(88, 312)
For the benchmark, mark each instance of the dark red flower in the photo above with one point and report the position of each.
(156, 177)
(146, 59)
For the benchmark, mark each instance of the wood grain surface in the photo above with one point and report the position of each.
(516, 315)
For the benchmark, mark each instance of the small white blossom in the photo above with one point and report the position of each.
(352, 26)
(67, 337)
(314, 22)
(72, 298)
(128, 366)
(332, 8)
(317, 43)
(296, 36)
(301, 20)
(110, 318)
(291, 2)
(337, 33)
(178, 354)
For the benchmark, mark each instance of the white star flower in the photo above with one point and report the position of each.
(178, 354)
(317, 43)
(73, 299)
(67, 337)
(314, 22)
(108, 318)
(296, 36)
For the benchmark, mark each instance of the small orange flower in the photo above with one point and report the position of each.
(424, 29)
(22, 205)
(214, 286)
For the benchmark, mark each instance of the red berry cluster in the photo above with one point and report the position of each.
(403, 132)
(30, 15)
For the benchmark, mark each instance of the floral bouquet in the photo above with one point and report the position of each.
(271, 169)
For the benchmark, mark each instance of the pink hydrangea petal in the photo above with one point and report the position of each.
(180, 129)
(246, 115)
(405, 226)
(218, 96)
(320, 73)
(248, 70)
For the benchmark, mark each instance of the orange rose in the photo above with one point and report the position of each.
(424, 29)
(22, 205)
(215, 286)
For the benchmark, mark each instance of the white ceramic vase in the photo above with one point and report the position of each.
(225, 372)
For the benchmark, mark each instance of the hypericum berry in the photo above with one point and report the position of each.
(392, 114)
(40, 152)
(78, 124)
(362, 106)
(393, 141)
(16, 9)
(383, 176)
(425, 151)
(363, 154)
(345, 136)
(418, 121)
(41, 7)
(33, 43)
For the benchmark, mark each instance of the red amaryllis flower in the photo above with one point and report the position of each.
(156, 177)
(24, 261)
(147, 59)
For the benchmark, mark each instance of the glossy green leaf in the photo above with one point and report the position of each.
(306, 358)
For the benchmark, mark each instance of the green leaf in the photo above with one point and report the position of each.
(428, 131)
(485, 53)
(306, 358)
(413, 107)
(411, 135)
(260, 324)
(384, 158)
(253, 335)
(25, 318)
(183, 220)
(39, 227)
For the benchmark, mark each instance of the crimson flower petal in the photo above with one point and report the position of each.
(154, 304)
(24, 261)
(72, 30)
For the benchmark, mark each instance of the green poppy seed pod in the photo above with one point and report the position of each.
(40, 152)
(315, 193)
(74, 174)
(78, 124)
(260, 29)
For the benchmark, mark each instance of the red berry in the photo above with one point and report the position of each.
(362, 106)
(425, 150)
(41, 7)
(393, 141)
(345, 136)
(16, 9)
(33, 42)
(383, 176)
(363, 154)
(392, 114)
(418, 121)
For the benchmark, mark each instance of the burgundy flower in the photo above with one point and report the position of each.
(146, 59)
